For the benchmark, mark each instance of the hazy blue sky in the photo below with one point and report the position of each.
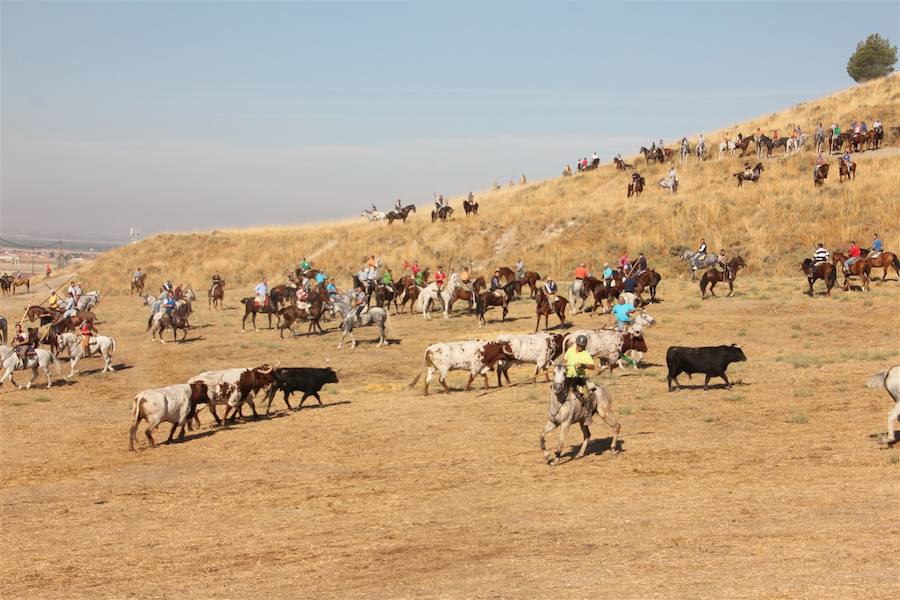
(201, 115)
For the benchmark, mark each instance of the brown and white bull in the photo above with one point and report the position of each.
(476, 357)
(234, 388)
(539, 349)
(175, 404)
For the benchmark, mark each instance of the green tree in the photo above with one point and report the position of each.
(873, 58)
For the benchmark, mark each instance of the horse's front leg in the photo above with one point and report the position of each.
(550, 426)
(563, 429)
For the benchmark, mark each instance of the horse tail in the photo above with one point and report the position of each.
(877, 380)
(832, 277)
(150, 321)
(897, 264)
(704, 280)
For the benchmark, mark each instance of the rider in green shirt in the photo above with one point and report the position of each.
(387, 278)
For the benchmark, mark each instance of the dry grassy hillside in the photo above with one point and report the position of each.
(556, 223)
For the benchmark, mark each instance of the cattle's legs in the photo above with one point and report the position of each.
(212, 410)
(150, 426)
(486, 385)
(172, 433)
(469, 383)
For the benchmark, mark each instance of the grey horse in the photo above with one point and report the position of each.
(10, 361)
(564, 411)
(4, 330)
(374, 316)
(697, 263)
(89, 300)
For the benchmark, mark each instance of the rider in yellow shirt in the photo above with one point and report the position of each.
(577, 361)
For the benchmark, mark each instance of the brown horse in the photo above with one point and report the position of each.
(820, 174)
(176, 322)
(754, 175)
(74, 322)
(410, 294)
(884, 260)
(290, 314)
(636, 187)
(137, 285)
(531, 279)
(18, 282)
(648, 279)
(621, 165)
(486, 299)
(823, 270)
(460, 293)
(743, 144)
(543, 309)
(251, 308)
(835, 143)
(217, 295)
(860, 269)
(507, 273)
(45, 314)
(713, 276)
(845, 171)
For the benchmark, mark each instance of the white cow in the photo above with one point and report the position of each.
(539, 349)
(175, 404)
(476, 357)
(890, 381)
(105, 345)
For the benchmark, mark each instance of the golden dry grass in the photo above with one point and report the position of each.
(771, 490)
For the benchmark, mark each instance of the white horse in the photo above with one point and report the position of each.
(566, 409)
(374, 316)
(430, 294)
(577, 291)
(726, 147)
(373, 215)
(669, 183)
(685, 150)
(89, 300)
(99, 343)
(10, 360)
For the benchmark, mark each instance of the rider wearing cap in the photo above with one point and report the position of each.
(578, 360)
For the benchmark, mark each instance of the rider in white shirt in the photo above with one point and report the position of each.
(821, 254)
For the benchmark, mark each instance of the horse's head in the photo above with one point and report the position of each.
(737, 261)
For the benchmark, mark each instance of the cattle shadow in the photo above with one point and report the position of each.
(712, 386)
(285, 412)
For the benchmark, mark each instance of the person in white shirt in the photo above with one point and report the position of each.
(821, 254)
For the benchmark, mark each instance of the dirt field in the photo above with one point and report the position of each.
(774, 489)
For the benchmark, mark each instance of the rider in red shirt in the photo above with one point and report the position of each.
(439, 277)
(854, 255)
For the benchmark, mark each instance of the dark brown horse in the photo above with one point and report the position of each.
(743, 144)
(471, 208)
(74, 322)
(486, 299)
(217, 295)
(753, 176)
(835, 143)
(137, 285)
(820, 174)
(45, 314)
(636, 187)
(531, 279)
(281, 294)
(290, 314)
(460, 293)
(860, 269)
(884, 260)
(823, 270)
(176, 322)
(543, 309)
(845, 171)
(621, 165)
(251, 308)
(713, 276)
(508, 274)
(648, 279)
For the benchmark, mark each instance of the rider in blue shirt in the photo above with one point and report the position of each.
(877, 245)
(622, 311)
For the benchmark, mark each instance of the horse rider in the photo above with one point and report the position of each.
(748, 170)
(465, 277)
(847, 161)
(607, 275)
(398, 205)
(301, 297)
(419, 278)
(414, 268)
(700, 254)
(179, 292)
(22, 343)
(372, 262)
(819, 137)
(305, 265)
(624, 262)
(360, 305)
(331, 289)
(854, 254)
(877, 247)
(137, 275)
(387, 278)
(629, 285)
(262, 293)
(87, 330)
(863, 128)
(371, 279)
(321, 278)
(577, 361)
(374, 210)
(821, 254)
(440, 277)
(520, 269)
(580, 272)
(69, 309)
(622, 312)
(551, 289)
(216, 280)
(53, 300)
(496, 286)
(471, 197)
(820, 160)
(640, 264)
(701, 145)
(672, 174)
(722, 263)
(635, 177)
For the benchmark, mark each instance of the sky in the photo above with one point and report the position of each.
(179, 116)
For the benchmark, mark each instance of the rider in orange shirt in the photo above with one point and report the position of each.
(581, 271)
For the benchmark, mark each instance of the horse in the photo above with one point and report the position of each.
(835, 143)
(860, 269)
(471, 208)
(621, 165)
(754, 175)
(857, 141)
(782, 141)
(487, 299)
(385, 294)
(543, 309)
(712, 276)
(508, 274)
(743, 144)
(89, 301)
(823, 270)
(564, 411)
(11, 361)
(251, 308)
(685, 150)
(877, 138)
(461, 293)
(845, 171)
(175, 321)
(697, 261)
(73, 322)
(726, 147)
(653, 155)
(281, 294)
(45, 314)
(372, 215)
(400, 214)
(441, 213)
(137, 284)
(648, 279)
(290, 314)
(766, 142)
(430, 293)
(567, 172)
(636, 187)
(701, 151)
(99, 344)
(374, 316)
(669, 183)
(885, 260)
(19, 281)
(820, 174)
(530, 279)
(216, 295)
(4, 330)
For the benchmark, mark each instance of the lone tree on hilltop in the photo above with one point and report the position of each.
(873, 58)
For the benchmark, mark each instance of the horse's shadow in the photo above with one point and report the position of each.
(597, 446)
(559, 326)
(190, 340)
(116, 368)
